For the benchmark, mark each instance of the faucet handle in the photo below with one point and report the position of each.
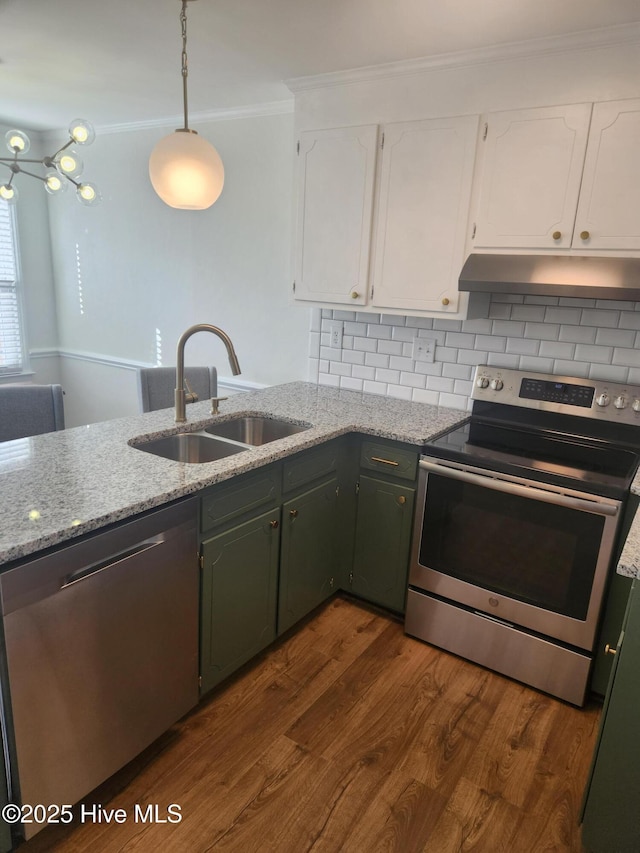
(214, 404)
(190, 396)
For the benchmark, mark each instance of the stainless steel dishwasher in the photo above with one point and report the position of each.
(102, 652)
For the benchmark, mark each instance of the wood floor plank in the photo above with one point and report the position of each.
(349, 737)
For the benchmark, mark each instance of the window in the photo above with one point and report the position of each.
(11, 341)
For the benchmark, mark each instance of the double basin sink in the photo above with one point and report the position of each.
(221, 439)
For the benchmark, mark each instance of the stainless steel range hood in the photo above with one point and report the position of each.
(553, 275)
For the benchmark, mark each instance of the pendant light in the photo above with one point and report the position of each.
(185, 170)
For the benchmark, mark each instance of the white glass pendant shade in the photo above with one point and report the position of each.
(186, 171)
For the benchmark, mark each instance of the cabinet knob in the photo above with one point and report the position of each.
(557, 235)
(609, 650)
(584, 235)
(402, 500)
(274, 524)
(445, 301)
(293, 513)
(355, 294)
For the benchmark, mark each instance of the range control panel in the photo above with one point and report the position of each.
(608, 401)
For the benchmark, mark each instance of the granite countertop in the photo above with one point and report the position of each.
(61, 485)
(629, 563)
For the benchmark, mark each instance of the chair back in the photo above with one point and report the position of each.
(30, 410)
(156, 385)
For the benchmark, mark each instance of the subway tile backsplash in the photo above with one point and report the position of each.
(576, 337)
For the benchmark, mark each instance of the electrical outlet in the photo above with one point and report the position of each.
(424, 349)
(335, 334)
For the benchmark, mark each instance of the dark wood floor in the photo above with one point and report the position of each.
(351, 737)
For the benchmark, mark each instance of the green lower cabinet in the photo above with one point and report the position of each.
(239, 595)
(309, 562)
(382, 542)
(611, 815)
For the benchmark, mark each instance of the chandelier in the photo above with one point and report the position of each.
(185, 170)
(64, 167)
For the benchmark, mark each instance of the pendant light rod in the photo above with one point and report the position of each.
(185, 67)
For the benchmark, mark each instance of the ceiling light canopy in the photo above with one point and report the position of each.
(185, 170)
(64, 167)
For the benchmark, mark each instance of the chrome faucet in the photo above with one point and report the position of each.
(180, 396)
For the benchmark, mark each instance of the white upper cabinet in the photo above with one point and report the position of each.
(421, 203)
(561, 178)
(531, 173)
(609, 207)
(422, 214)
(336, 172)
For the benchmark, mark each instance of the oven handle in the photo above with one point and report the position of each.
(488, 482)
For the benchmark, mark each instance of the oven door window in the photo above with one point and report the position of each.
(535, 552)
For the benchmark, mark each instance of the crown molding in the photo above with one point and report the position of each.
(585, 40)
(270, 108)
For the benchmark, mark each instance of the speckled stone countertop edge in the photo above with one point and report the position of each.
(629, 562)
(57, 487)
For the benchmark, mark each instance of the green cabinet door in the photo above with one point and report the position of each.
(611, 820)
(383, 541)
(309, 562)
(239, 596)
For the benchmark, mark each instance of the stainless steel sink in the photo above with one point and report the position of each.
(255, 430)
(189, 447)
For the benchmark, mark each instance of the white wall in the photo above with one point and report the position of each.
(132, 274)
(586, 338)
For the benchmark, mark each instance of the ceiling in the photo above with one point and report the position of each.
(118, 61)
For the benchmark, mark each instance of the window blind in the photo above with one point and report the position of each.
(11, 359)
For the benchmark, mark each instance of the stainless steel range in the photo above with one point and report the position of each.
(517, 519)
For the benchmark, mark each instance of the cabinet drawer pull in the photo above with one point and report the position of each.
(584, 235)
(385, 461)
(557, 235)
(609, 650)
(293, 513)
(274, 524)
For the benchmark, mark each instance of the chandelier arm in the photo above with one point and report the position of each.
(20, 160)
(33, 175)
(60, 150)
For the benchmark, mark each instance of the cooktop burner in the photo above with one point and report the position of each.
(558, 430)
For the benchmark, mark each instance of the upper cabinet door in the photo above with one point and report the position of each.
(423, 208)
(336, 170)
(609, 208)
(531, 176)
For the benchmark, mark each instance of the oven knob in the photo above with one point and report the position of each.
(636, 406)
(620, 402)
(603, 400)
(497, 384)
(483, 382)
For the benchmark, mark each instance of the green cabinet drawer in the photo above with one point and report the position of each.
(248, 493)
(310, 465)
(389, 458)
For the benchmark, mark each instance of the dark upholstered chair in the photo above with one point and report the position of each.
(156, 385)
(30, 410)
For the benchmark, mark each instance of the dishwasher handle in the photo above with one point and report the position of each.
(89, 571)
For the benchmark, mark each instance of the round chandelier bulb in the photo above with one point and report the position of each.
(54, 184)
(69, 163)
(17, 141)
(82, 131)
(8, 193)
(186, 171)
(88, 194)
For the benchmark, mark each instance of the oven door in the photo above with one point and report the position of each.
(521, 552)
